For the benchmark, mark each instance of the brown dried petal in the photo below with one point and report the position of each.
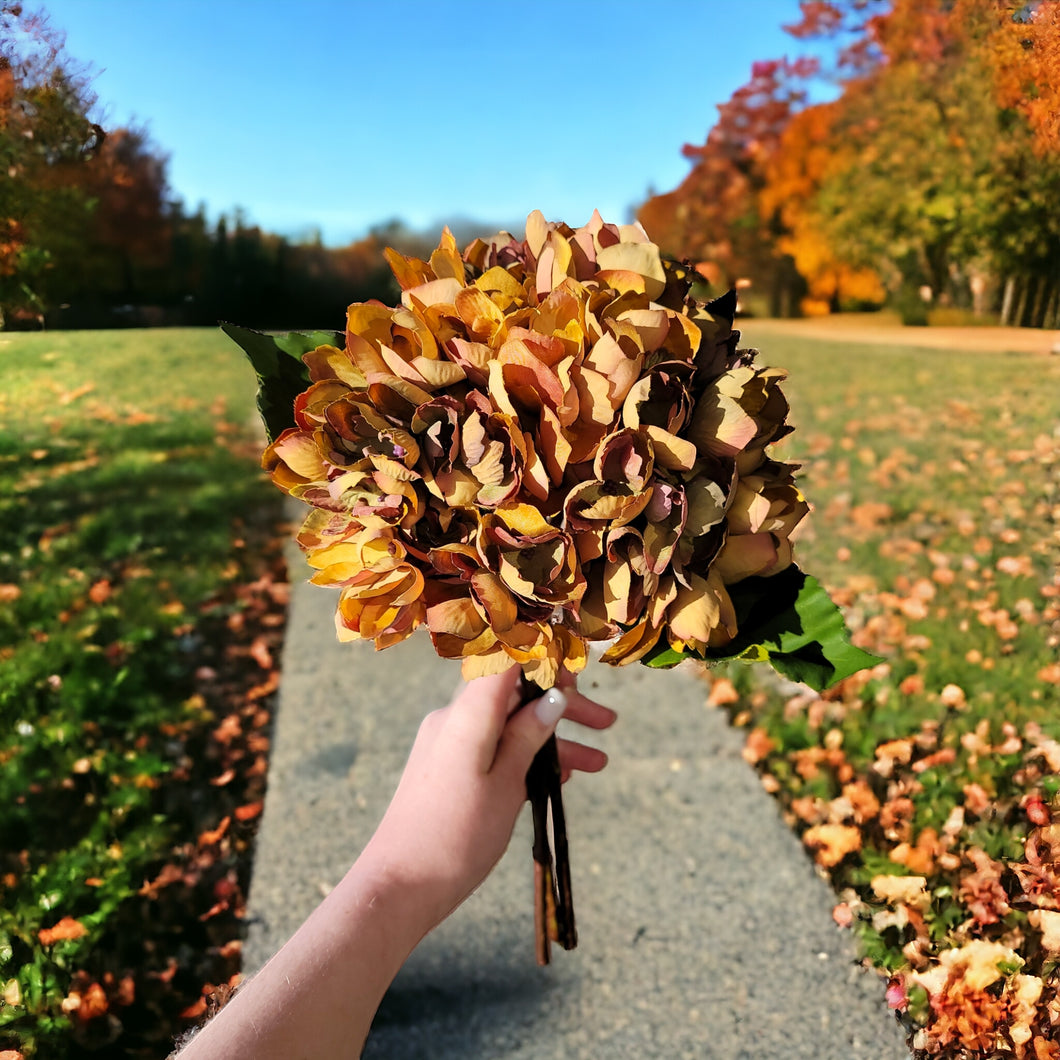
(625, 460)
(293, 459)
(311, 405)
(329, 362)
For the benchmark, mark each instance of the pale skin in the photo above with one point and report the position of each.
(448, 824)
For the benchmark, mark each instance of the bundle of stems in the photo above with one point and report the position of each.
(553, 902)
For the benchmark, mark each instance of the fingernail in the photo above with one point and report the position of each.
(514, 700)
(550, 707)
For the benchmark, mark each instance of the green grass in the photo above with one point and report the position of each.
(936, 479)
(127, 463)
(127, 459)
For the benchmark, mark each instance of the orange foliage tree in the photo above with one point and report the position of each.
(936, 182)
(714, 215)
(1027, 66)
(806, 153)
(937, 165)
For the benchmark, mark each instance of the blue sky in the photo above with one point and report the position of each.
(341, 115)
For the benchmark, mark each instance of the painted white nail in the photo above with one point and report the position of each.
(550, 707)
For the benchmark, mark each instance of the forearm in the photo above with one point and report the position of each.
(317, 997)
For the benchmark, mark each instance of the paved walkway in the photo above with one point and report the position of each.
(704, 931)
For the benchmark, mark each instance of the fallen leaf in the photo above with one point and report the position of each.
(908, 890)
(1048, 923)
(757, 746)
(723, 692)
(67, 928)
(194, 1010)
(259, 652)
(67, 397)
(831, 843)
(100, 591)
(93, 1003)
(249, 811)
(209, 837)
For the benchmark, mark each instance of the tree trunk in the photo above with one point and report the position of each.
(1050, 310)
(1021, 305)
(1036, 312)
(1006, 301)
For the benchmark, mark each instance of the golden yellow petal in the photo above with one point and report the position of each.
(500, 281)
(634, 644)
(479, 312)
(295, 453)
(495, 661)
(574, 652)
(720, 426)
(446, 260)
(435, 292)
(743, 555)
(543, 672)
(652, 325)
(537, 229)
(640, 258)
(675, 454)
(329, 362)
(499, 604)
(695, 612)
(524, 519)
(458, 617)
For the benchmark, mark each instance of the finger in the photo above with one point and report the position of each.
(584, 711)
(579, 756)
(566, 680)
(527, 730)
(477, 716)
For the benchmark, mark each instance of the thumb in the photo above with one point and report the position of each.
(528, 729)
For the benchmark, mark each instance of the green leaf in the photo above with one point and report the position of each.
(663, 657)
(282, 375)
(791, 622)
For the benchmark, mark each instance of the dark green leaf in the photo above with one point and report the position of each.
(791, 622)
(282, 375)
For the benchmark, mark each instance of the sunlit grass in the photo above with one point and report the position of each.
(128, 460)
(936, 479)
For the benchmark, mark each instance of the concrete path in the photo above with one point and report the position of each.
(704, 931)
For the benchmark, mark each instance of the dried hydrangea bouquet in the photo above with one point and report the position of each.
(548, 443)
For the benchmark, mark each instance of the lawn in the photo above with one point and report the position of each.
(141, 597)
(141, 603)
(927, 787)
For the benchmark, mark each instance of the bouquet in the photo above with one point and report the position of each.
(548, 444)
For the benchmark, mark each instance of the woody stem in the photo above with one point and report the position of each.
(553, 902)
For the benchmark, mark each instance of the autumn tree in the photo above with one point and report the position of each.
(910, 191)
(715, 214)
(46, 138)
(806, 154)
(128, 237)
(934, 180)
(1026, 61)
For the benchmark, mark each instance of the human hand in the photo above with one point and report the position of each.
(455, 807)
(447, 825)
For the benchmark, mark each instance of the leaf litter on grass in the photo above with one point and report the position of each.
(142, 601)
(928, 788)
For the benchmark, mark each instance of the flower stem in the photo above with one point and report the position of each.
(553, 902)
